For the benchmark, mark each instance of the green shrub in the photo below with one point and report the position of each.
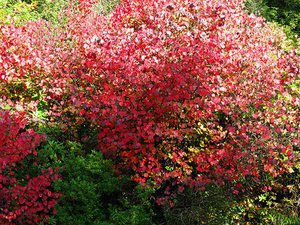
(91, 193)
(286, 13)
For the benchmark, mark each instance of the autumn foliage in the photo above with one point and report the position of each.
(183, 93)
(24, 198)
(188, 93)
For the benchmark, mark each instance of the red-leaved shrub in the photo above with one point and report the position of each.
(183, 93)
(189, 92)
(25, 198)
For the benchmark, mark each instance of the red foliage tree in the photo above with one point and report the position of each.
(24, 198)
(184, 93)
(159, 70)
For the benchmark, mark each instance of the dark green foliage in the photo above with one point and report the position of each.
(135, 208)
(212, 206)
(284, 12)
(87, 181)
(91, 193)
(257, 7)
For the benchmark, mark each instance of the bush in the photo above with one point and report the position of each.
(90, 191)
(189, 94)
(26, 193)
(284, 12)
(180, 94)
